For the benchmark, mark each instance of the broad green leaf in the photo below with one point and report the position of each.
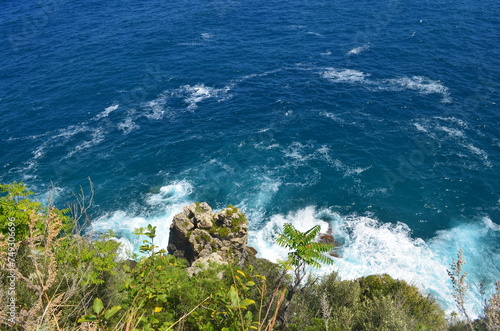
(110, 312)
(246, 302)
(97, 306)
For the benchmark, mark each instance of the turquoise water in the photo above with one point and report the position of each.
(377, 119)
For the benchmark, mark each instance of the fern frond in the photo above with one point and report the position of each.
(310, 234)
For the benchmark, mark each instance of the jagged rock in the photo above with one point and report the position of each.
(201, 236)
(326, 238)
(252, 251)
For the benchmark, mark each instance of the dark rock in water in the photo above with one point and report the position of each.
(333, 254)
(252, 250)
(326, 238)
(201, 236)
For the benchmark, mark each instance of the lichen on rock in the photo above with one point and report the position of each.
(201, 236)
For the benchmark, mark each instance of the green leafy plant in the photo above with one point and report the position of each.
(304, 251)
(100, 317)
(17, 209)
(230, 309)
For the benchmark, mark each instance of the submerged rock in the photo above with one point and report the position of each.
(201, 236)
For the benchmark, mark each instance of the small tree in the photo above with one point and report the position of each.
(303, 250)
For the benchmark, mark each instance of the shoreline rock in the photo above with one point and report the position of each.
(201, 236)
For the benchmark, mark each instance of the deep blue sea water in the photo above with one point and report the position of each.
(377, 118)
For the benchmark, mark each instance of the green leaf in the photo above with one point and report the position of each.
(97, 306)
(110, 312)
(87, 318)
(303, 249)
(233, 296)
(246, 302)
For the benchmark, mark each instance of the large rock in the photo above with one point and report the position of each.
(201, 236)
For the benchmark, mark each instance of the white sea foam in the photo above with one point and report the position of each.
(332, 116)
(263, 239)
(479, 152)
(373, 247)
(202, 40)
(453, 120)
(349, 171)
(97, 135)
(264, 146)
(346, 170)
(63, 136)
(127, 125)
(207, 36)
(155, 109)
(106, 112)
(315, 33)
(456, 131)
(160, 209)
(344, 75)
(58, 139)
(420, 84)
(357, 50)
(452, 132)
(199, 92)
(420, 127)
(298, 152)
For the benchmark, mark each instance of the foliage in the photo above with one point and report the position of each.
(17, 208)
(370, 303)
(66, 281)
(150, 283)
(91, 260)
(229, 309)
(303, 249)
(422, 312)
(100, 317)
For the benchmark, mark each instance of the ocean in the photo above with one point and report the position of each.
(378, 119)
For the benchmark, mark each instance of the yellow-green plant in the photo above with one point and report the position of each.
(16, 207)
(230, 308)
(100, 316)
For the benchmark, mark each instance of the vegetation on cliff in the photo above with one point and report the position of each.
(55, 278)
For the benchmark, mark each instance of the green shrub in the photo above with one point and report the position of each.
(423, 312)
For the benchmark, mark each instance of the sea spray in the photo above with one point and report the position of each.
(369, 246)
(160, 208)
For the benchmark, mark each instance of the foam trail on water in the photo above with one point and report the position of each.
(420, 84)
(369, 247)
(357, 50)
(344, 75)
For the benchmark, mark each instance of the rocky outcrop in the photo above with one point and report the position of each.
(328, 238)
(201, 236)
